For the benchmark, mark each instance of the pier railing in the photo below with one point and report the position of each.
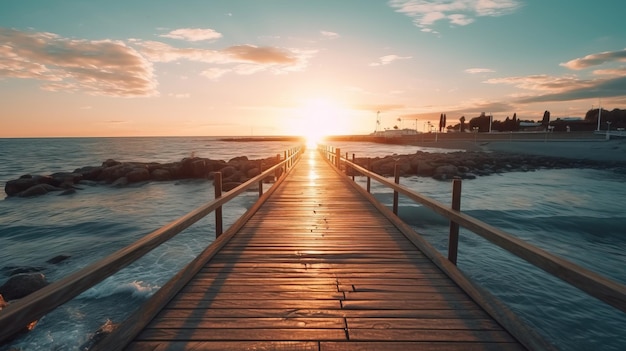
(594, 284)
(17, 315)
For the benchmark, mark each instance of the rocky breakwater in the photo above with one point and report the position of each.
(234, 172)
(470, 164)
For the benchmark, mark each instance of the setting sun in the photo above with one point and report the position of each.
(319, 117)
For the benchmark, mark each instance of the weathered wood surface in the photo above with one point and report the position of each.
(317, 268)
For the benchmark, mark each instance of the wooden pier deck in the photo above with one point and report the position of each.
(319, 268)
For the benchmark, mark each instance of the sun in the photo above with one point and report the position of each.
(317, 118)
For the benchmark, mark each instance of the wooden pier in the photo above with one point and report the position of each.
(317, 267)
(317, 264)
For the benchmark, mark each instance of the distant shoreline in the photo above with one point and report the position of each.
(574, 145)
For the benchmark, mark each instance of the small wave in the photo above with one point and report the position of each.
(135, 289)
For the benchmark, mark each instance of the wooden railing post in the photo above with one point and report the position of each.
(352, 171)
(453, 244)
(261, 181)
(338, 158)
(369, 179)
(217, 181)
(396, 176)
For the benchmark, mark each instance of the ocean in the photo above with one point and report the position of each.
(574, 213)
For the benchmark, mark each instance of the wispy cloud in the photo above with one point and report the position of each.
(251, 53)
(479, 70)
(610, 82)
(193, 34)
(215, 73)
(542, 82)
(425, 13)
(96, 67)
(266, 57)
(596, 59)
(621, 71)
(329, 35)
(180, 95)
(613, 87)
(385, 60)
(125, 69)
(569, 88)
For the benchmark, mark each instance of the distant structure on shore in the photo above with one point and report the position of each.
(394, 133)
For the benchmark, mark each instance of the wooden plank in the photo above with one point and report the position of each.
(417, 345)
(203, 334)
(321, 313)
(316, 263)
(422, 323)
(223, 345)
(431, 335)
(248, 323)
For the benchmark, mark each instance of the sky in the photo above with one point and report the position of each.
(73, 68)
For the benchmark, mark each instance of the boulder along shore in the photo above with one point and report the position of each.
(469, 164)
(118, 174)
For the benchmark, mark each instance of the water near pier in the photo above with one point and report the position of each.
(575, 214)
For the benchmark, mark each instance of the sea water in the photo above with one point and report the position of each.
(573, 213)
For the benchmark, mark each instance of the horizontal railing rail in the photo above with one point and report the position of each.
(17, 315)
(592, 283)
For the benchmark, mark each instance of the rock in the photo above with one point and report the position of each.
(107, 328)
(13, 270)
(25, 182)
(228, 171)
(39, 189)
(89, 172)
(58, 259)
(3, 303)
(251, 173)
(110, 163)
(61, 178)
(21, 285)
(138, 175)
(161, 174)
(446, 172)
(198, 168)
(238, 159)
(120, 182)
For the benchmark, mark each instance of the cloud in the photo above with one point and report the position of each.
(425, 13)
(611, 72)
(596, 59)
(95, 67)
(179, 96)
(543, 82)
(193, 34)
(479, 70)
(215, 73)
(566, 88)
(251, 53)
(385, 60)
(329, 35)
(278, 60)
(613, 87)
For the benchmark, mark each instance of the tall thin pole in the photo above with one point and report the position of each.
(599, 113)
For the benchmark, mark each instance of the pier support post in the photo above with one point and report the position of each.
(396, 176)
(217, 181)
(261, 181)
(352, 171)
(369, 180)
(453, 244)
(338, 158)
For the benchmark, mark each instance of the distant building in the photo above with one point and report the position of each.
(394, 133)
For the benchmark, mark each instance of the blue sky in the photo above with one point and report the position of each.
(123, 68)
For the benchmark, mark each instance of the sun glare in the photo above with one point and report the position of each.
(317, 118)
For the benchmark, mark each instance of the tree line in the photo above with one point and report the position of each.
(481, 124)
